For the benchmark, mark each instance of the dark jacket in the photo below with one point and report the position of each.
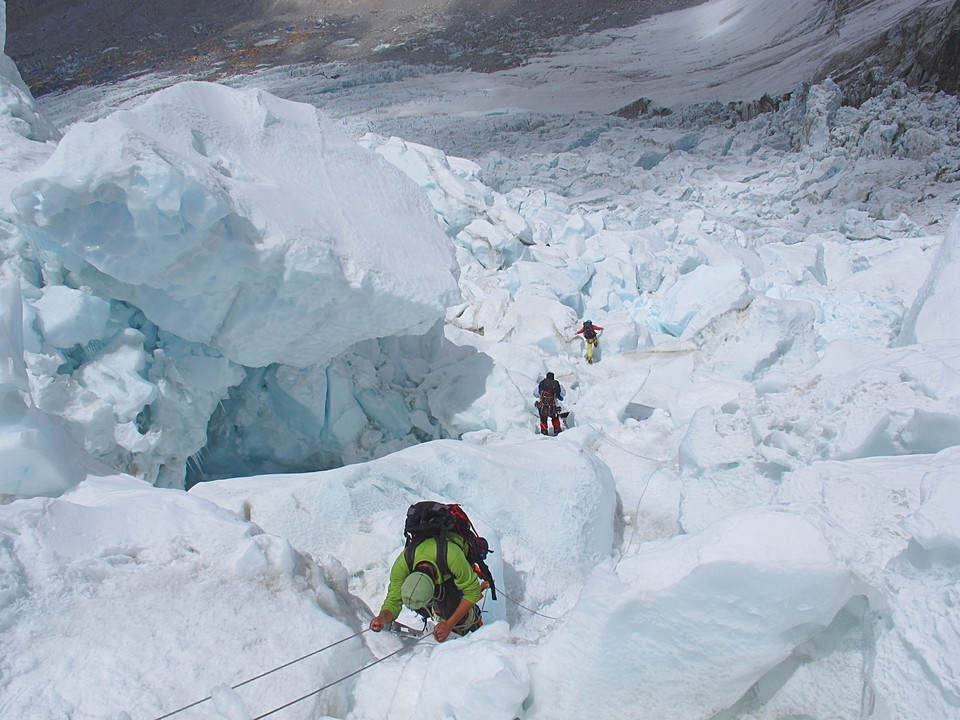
(550, 384)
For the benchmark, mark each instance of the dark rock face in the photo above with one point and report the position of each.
(923, 51)
(59, 44)
(941, 59)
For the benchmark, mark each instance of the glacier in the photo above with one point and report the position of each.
(310, 319)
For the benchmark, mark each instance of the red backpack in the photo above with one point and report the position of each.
(429, 519)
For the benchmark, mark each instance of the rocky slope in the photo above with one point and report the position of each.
(59, 44)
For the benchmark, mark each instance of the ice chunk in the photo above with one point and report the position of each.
(231, 218)
(19, 114)
(936, 525)
(721, 607)
(544, 507)
(934, 313)
(701, 295)
(70, 317)
(37, 453)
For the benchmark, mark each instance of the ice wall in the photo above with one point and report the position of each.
(215, 239)
(548, 511)
(38, 454)
(933, 315)
(244, 222)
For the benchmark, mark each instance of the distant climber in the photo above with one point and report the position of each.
(549, 393)
(433, 575)
(589, 331)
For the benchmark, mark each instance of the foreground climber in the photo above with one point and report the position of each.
(433, 575)
(549, 393)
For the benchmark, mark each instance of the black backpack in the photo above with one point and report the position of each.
(588, 332)
(429, 519)
(549, 389)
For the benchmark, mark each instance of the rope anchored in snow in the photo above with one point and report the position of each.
(606, 436)
(530, 610)
(646, 483)
(350, 675)
(280, 667)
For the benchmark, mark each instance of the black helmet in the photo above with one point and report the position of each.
(549, 376)
(587, 322)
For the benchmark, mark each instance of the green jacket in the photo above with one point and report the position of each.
(462, 571)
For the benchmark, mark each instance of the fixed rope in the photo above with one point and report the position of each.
(530, 610)
(646, 483)
(514, 383)
(636, 512)
(606, 436)
(345, 677)
(263, 674)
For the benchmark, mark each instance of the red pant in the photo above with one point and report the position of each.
(551, 412)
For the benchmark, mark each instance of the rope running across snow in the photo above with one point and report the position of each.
(350, 675)
(530, 610)
(268, 672)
